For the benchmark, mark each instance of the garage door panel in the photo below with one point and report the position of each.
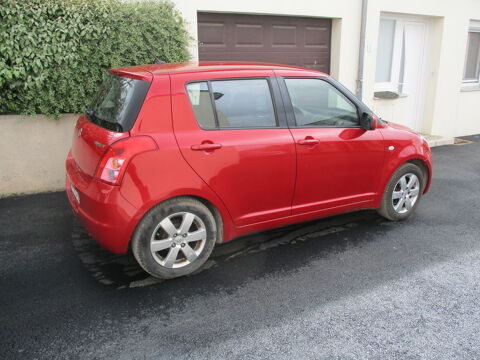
(284, 36)
(248, 35)
(317, 37)
(213, 34)
(279, 39)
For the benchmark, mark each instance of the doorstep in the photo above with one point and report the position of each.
(434, 140)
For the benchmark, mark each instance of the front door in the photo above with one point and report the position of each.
(231, 135)
(338, 163)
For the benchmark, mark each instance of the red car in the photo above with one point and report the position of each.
(171, 159)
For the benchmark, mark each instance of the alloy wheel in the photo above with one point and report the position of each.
(405, 193)
(178, 240)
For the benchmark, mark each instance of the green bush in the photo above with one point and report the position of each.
(53, 53)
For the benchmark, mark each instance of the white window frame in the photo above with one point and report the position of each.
(393, 85)
(396, 84)
(473, 28)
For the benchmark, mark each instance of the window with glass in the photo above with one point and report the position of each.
(234, 104)
(471, 72)
(316, 103)
(386, 37)
(199, 96)
(390, 63)
(117, 103)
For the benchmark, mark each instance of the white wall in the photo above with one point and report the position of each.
(468, 112)
(448, 111)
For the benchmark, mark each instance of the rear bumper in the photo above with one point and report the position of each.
(104, 212)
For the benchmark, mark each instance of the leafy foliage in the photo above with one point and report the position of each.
(53, 53)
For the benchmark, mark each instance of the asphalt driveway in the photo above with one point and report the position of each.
(352, 286)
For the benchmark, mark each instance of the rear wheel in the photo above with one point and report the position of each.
(403, 193)
(175, 238)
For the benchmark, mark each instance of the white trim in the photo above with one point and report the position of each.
(467, 87)
(474, 26)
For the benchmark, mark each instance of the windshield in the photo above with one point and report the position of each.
(117, 103)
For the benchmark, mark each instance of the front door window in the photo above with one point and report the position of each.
(316, 103)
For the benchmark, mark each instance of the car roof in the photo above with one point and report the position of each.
(205, 66)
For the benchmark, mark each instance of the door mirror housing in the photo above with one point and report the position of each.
(367, 121)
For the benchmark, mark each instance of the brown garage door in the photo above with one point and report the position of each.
(279, 39)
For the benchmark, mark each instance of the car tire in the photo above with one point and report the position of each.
(400, 198)
(175, 238)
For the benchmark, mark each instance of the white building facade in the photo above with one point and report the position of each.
(414, 62)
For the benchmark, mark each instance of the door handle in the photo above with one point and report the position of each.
(206, 147)
(308, 141)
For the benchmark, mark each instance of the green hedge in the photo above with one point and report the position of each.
(53, 53)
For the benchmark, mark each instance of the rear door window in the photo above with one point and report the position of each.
(243, 103)
(117, 103)
(233, 104)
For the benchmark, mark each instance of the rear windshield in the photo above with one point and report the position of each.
(117, 103)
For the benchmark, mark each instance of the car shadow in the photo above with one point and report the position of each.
(122, 271)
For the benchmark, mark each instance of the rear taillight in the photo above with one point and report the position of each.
(116, 158)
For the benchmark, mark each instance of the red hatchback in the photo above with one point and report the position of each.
(171, 159)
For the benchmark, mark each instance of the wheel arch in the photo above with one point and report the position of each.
(216, 214)
(422, 165)
(220, 220)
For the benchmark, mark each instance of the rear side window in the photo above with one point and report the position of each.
(316, 103)
(201, 104)
(237, 104)
(117, 103)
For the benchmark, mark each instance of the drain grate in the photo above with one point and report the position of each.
(458, 141)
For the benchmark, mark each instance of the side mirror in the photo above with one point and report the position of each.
(367, 121)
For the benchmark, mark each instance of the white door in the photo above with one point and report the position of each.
(414, 74)
(401, 63)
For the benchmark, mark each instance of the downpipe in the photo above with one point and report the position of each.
(361, 52)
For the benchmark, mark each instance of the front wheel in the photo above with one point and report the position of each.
(175, 238)
(403, 193)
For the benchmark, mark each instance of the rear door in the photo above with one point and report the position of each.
(233, 135)
(338, 162)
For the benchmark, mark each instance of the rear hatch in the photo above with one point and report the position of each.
(109, 118)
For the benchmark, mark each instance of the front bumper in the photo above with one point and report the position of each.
(104, 212)
(428, 158)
